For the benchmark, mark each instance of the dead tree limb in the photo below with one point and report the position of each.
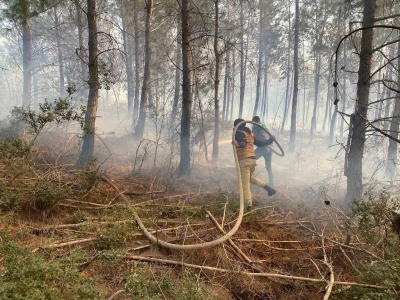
(266, 275)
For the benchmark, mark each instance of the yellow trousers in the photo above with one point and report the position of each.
(247, 168)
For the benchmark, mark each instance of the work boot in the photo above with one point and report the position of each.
(271, 191)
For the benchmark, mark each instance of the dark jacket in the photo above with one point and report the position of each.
(241, 138)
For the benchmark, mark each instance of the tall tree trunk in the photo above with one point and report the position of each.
(335, 112)
(232, 79)
(146, 76)
(59, 52)
(225, 105)
(316, 92)
(216, 84)
(389, 93)
(86, 154)
(285, 112)
(391, 165)
(260, 59)
(357, 138)
(184, 164)
(124, 11)
(137, 63)
(292, 139)
(328, 99)
(26, 54)
(265, 89)
(79, 24)
(177, 81)
(344, 99)
(242, 61)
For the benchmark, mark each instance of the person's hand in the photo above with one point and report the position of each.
(235, 143)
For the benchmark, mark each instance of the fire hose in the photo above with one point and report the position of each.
(210, 244)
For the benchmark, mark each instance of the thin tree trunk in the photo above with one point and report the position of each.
(389, 93)
(216, 85)
(177, 81)
(335, 112)
(265, 90)
(233, 83)
(225, 106)
(86, 155)
(184, 164)
(316, 92)
(285, 112)
(146, 76)
(128, 53)
(59, 52)
(260, 60)
(137, 63)
(292, 139)
(392, 162)
(79, 24)
(357, 139)
(242, 61)
(328, 98)
(26, 54)
(344, 100)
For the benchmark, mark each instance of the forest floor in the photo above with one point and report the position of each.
(69, 233)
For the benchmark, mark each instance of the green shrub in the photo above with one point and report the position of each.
(25, 275)
(374, 215)
(14, 148)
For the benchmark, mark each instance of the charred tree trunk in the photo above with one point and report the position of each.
(216, 85)
(146, 76)
(292, 139)
(184, 164)
(59, 52)
(26, 54)
(86, 155)
(357, 139)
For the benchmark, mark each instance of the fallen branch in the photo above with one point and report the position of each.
(343, 245)
(264, 241)
(331, 275)
(66, 244)
(239, 252)
(77, 225)
(267, 275)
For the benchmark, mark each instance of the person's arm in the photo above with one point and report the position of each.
(263, 143)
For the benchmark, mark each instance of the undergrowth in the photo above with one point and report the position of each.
(25, 275)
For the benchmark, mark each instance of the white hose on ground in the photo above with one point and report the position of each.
(210, 244)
